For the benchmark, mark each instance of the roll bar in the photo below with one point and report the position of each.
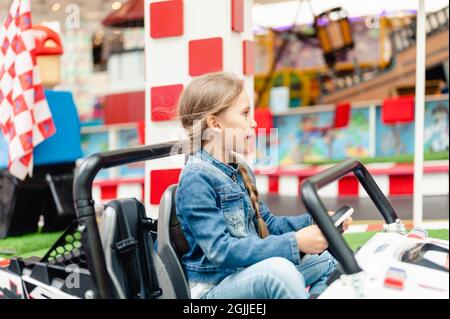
(84, 204)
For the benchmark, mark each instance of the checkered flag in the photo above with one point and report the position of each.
(25, 117)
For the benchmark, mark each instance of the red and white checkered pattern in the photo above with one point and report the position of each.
(25, 117)
(105, 191)
(361, 228)
(392, 180)
(185, 39)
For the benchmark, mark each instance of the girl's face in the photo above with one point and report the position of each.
(237, 126)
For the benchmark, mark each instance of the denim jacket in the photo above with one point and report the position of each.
(218, 220)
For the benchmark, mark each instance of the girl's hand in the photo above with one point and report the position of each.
(310, 240)
(346, 222)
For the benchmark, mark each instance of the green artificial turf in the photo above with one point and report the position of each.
(38, 244)
(356, 240)
(403, 158)
(29, 245)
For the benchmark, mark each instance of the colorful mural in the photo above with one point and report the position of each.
(99, 142)
(399, 138)
(436, 126)
(127, 139)
(94, 143)
(3, 152)
(301, 141)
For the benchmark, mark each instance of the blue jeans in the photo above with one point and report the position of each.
(276, 278)
(316, 269)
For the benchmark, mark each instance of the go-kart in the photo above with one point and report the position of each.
(394, 263)
(112, 253)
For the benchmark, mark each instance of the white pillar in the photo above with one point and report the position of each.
(372, 130)
(170, 28)
(419, 114)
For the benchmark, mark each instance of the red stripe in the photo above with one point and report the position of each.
(405, 169)
(401, 184)
(394, 283)
(264, 120)
(115, 182)
(249, 57)
(436, 169)
(300, 173)
(300, 182)
(4, 263)
(205, 56)
(398, 110)
(374, 227)
(141, 132)
(166, 19)
(237, 15)
(348, 186)
(273, 184)
(164, 102)
(124, 107)
(379, 227)
(342, 115)
(285, 172)
(160, 180)
(108, 192)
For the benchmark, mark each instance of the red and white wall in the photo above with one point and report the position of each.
(185, 39)
(393, 180)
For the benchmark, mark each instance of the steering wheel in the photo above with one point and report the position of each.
(337, 245)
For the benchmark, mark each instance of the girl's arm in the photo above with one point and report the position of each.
(281, 224)
(201, 214)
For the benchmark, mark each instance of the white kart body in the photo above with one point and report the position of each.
(383, 251)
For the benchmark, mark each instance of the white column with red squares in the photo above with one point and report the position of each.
(185, 39)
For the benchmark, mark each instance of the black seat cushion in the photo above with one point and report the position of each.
(178, 240)
(138, 277)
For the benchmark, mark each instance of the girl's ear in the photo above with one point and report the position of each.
(213, 123)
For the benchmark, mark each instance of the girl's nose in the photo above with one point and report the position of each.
(253, 123)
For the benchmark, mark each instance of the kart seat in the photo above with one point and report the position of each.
(171, 243)
(135, 269)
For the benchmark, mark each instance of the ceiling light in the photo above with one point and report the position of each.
(116, 5)
(56, 6)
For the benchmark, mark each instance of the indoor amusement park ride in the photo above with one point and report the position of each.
(401, 69)
(112, 253)
(343, 80)
(115, 256)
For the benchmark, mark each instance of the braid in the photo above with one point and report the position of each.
(263, 231)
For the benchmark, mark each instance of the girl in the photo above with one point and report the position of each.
(237, 248)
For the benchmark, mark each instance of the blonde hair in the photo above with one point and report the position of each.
(208, 95)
